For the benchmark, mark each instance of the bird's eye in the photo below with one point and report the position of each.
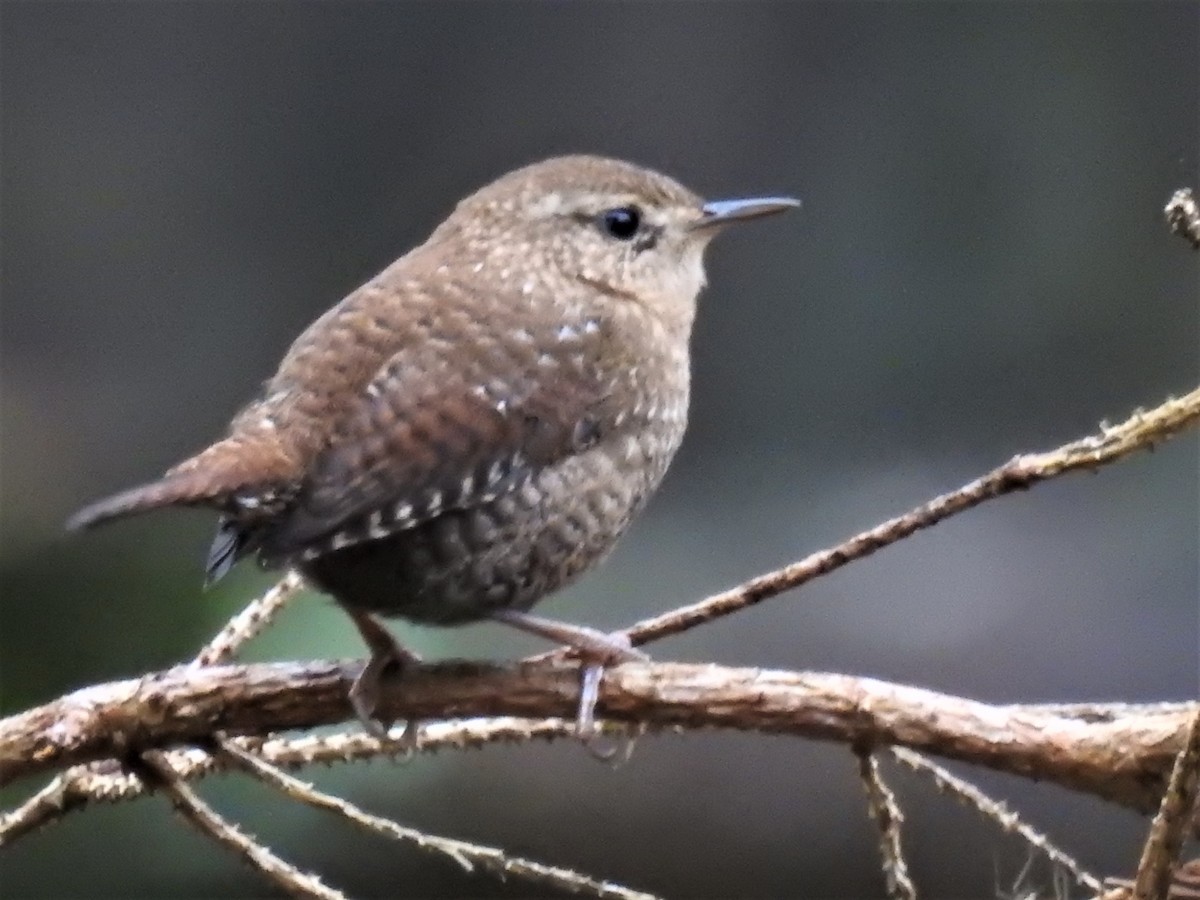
(622, 222)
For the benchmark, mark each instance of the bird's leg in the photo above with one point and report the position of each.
(597, 647)
(364, 693)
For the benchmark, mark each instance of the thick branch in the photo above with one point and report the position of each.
(1125, 760)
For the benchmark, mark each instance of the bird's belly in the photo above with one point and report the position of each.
(508, 553)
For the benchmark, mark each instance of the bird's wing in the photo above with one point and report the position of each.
(451, 425)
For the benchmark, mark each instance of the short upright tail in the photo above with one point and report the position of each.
(171, 491)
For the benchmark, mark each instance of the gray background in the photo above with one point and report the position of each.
(980, 268)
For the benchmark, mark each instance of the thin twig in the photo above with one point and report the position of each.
(55, 800)
(1184, 216)
(1165, 838)
(252, 620)
(340, 747)
(888, 817)
(152, 768)
(248, 623)
(1142, 430)
(108, 783)
(74, 788)
(1009, 821)
(469, 856)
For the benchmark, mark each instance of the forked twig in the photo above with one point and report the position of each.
(108, 783)
(1166, 835)
(469, 856)
(1141, 430)
(253, 618)
(74, 788)
(1125, 761)
(995, 810)
(885, 812)
(153, 769)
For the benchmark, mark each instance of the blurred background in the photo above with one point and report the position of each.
(980, 268)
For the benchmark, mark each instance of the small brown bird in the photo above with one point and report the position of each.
(477, 424)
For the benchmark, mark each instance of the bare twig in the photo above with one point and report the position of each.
(107, 782)
(74, 788)
(338, 747)
(1184, 885)
(110, 784)
(252, 620)
(153, 769)
(248, 623)
(56, 799)
(469, 856)
(1140, 431)
(885, 812)
(995, 810)
(1184, 216)
(1165, 839)
(1126, 761)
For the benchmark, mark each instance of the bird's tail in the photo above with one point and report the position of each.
(172, 490)
(238, 465)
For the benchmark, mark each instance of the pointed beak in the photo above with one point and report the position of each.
(722, 212)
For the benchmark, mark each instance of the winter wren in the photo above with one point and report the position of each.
(476, 425)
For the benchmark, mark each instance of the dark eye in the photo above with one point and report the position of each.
(622, 222)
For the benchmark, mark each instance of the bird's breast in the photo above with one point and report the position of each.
(517, 548)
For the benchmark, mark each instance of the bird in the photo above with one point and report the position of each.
(475, 426)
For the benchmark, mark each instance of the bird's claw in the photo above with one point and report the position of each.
(365, 691)
(621, 650)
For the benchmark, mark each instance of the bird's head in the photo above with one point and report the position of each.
(626, 231)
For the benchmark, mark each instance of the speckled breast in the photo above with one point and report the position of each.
(512, 551)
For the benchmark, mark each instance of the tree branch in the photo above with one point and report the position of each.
(886, 813)
(1125, 760)
(108, 782)
(996, 811)
(468, 855)
(1167, 832)
(1141, 431)
(154, 770)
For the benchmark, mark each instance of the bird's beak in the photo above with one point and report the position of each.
(722, 212)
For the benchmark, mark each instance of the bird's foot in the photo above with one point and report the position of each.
(364, 693)
(598, 649)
